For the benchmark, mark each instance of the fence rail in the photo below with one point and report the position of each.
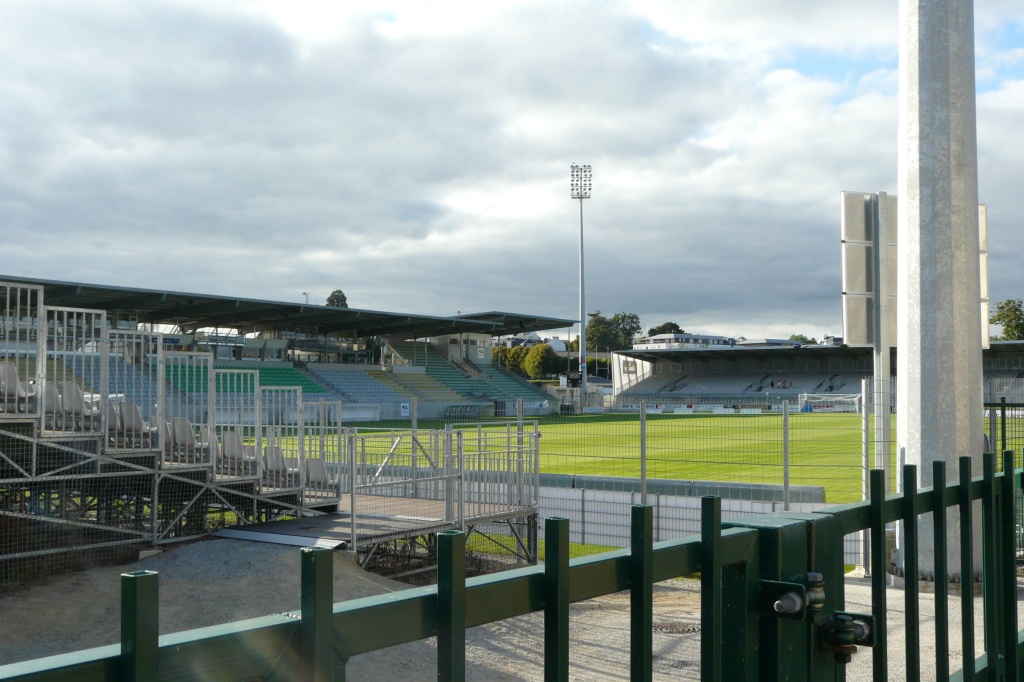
(773, 582)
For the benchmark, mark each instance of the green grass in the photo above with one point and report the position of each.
(825, 449)
(489, 545)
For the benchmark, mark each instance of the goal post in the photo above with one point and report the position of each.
(830, 402)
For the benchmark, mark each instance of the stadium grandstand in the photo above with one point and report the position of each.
(705, 373)
(133, 417)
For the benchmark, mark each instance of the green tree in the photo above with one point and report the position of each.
(600, 333)
(802, 338)
(337, 299)
(510, 358)
(628, 326)
(665, 328)
(616, 333)
(541, 361)
(1010, 314)
(516, 357)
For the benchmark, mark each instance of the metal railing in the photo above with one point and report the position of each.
(774, 583)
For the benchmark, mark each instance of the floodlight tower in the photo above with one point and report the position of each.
(579, 183)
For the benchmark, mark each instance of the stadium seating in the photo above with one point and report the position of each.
(356, 384)
(196, 380)
(388, 380)
(427, 387)
(510, 385)
(489, 385)
(743, 385)
(134, 383)
(445, 373)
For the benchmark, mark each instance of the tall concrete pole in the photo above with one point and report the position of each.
(939, 383)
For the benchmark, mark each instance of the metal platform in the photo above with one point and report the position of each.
(380, 518)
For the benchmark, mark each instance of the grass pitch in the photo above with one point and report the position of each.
(824, 449)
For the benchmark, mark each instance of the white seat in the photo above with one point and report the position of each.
(136, 429)
(277, 471)
(53, 415)
(115, 429)
(237, 460)
(169, 442)
(82, 416)
(318, 479)
(14, 394)
(186, 446)
(234, 460)
(208, 439)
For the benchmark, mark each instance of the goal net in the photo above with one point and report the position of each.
(830, 402)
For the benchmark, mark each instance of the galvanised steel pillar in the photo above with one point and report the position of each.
(939, 333)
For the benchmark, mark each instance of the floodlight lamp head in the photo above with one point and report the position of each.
(580, 181)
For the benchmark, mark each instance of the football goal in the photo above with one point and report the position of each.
(830, 402)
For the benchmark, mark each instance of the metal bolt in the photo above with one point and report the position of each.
(789, 603)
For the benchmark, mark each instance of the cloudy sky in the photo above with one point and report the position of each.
(416, 154)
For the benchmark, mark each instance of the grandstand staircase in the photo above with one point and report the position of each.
(510, 384)
(447, 382)
(388, 380)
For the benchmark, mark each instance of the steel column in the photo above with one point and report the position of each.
(317, 629)
(641, 594)
(556, 599)
(451, 605)
(139, 626)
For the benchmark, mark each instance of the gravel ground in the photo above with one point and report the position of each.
(219, 580)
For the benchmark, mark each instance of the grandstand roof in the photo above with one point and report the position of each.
(757, 352)
(191, 311)
(997, 348)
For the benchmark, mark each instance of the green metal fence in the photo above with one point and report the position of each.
(1005, 430)
(772, 599)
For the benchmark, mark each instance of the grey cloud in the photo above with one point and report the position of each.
(203, 148)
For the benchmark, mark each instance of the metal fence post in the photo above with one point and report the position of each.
(711, 589)
(785, 455)
(556, 599)
(911, 575)
(1002, 425)
(865, 451)
(879, 560)
(941, 571)
(139, 626)
(643, 452)
(317, 628)
(460, 492)
(446, 473)
(583, 516)
(641, 594)
(1008, 554)
(451, 605)
(520, 470)
(353, 484)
